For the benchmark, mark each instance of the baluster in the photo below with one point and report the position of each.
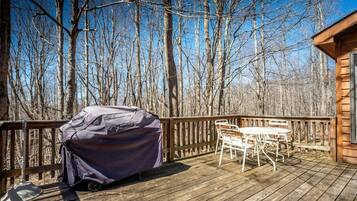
(53, 149)
(197, 137)
(204, 132)
(6, 138)
(324, 131)
(300, 131)
(212, 136)
(40, 153)
(306, 131)
(292, 133)
(190, 138)
(12, 153)
(163, 129)
(314, 130)
(26, 157)
(183, 131)
(177, 138)
(2, 156)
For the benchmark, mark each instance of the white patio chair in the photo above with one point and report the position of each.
(219, 124)
(234, 140)
(280, 123)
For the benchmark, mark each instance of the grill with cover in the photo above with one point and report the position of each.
(105, 144)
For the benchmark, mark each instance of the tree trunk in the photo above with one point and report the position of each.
(138, 59)
(4, 57)
(179, 44)
(86, 59)
(60, 38)
(71, 83)
(169, 61)
(197, 71)
(221, 66)
(322, 76)
(209, 84)
(262, 71)
(256, 58)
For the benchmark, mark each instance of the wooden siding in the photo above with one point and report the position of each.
(346, 44)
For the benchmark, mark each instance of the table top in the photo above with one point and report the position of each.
(264, 130)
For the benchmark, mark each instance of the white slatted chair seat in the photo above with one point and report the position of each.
(234, 140)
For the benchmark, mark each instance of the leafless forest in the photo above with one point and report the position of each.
(173, 58)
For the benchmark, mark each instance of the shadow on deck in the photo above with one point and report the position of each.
(311, 176)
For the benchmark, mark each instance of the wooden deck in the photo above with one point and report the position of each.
(311, 176)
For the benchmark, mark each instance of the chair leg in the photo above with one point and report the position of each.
(216, 146)
(258, 157)
(244, 156)
(277, 151)
(287, 147)
(230, 151)
(220, 157)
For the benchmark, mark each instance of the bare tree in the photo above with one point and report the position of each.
(60, 41)
(197, 69)
(180, 71)
(138, 58)
(169, 60)
(4, 57)
(71, 82)
(86, 57)
(209, 63)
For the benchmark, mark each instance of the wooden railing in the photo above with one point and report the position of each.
(182, 137)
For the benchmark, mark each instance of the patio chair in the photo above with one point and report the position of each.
(234, 140)
(219, 123)
(280, 123)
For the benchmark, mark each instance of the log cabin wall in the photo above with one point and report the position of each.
(345, 45)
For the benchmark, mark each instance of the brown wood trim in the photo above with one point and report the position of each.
(179, 148)
(30, 170)
(2, 154)
(339, 140)
(17, 125)
(351, 146)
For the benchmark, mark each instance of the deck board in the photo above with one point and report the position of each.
(305, 176)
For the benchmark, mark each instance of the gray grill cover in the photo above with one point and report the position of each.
(105, 144)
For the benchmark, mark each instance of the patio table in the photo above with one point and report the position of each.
(261, 134)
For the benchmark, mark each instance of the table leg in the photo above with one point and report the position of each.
(272, 161)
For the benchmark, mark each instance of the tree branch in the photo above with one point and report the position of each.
(109, 4)
(50, 16)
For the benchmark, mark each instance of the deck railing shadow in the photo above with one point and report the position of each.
(157, 173)
(58, 190)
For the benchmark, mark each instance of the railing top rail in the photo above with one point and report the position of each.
(252, 116)
(289, 117)
(36, 124)
(32, 124)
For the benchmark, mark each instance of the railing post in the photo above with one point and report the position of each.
(53, 149)
(2, 156)
(170, 141)
(333, 139)
(240, 123)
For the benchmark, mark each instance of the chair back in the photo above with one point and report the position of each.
(220, 123)
(281, 123)
(230, 130)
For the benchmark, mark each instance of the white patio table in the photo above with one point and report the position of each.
(261, 134)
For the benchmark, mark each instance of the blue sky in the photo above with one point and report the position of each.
(344, 7)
